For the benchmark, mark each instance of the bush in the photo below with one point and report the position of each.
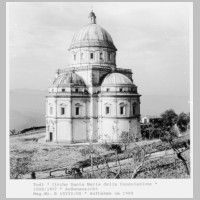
(19, 166)
(85, 151)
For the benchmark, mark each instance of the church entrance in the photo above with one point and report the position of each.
(50, 136)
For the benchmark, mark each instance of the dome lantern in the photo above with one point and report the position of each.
(92, 17)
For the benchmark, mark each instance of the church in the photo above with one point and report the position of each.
(92, 100)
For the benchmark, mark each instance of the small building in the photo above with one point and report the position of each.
(145, 120)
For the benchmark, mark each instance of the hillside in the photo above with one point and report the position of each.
(27, 108)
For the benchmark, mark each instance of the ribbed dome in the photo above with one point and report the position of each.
(65, 80)
(116, 79)
(92, 35)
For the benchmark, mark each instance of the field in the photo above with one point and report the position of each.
(45, 157)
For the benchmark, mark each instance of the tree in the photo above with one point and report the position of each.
(126, 138)
(183, 120)
(169, 137)
(169, 117)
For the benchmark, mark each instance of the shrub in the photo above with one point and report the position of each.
(85, 151)
(127, 138)
(19, 166)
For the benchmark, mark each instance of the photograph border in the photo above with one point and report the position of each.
(195, 88)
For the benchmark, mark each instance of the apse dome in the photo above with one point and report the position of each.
(92, 35)
(66, 80)
(113, 79)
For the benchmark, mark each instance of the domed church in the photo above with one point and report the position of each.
(92, 99)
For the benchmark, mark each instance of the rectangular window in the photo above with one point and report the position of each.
(77, 110)
(51, 110)
(91, 55)
(63, 90)
(107, 89)
(74, 56)
(62, 110)
(107, 110)
(76, 90)
(134, 109)
(120, 90)
(122, 110)
(109, 56)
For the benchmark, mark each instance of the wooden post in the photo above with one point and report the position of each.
(92, 165)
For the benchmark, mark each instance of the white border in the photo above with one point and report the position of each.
(164, 188)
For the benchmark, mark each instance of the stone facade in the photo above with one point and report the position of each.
(92, 100)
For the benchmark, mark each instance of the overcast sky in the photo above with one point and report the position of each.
(152, 39)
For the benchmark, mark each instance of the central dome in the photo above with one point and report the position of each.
(92, 35)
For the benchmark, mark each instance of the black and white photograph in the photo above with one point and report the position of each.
(99, 91)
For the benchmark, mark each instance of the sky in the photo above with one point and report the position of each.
(152, 39)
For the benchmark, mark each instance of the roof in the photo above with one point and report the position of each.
(66, 80)
(92, 35)
(116, 79)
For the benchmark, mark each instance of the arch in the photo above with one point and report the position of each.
(78, 104)
(101, 56)
(62, 104)
(122, 108)
(123, 104)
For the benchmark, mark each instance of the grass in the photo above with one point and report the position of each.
(45, 157)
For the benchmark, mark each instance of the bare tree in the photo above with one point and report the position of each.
(170, 137)
(127, 138)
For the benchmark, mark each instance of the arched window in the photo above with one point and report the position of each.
(122, 108)
(91, 55)
(101, 56)
(107, 108)
(77, 109)
(62, 108)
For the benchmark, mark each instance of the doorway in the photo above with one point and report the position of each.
(50, 136)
